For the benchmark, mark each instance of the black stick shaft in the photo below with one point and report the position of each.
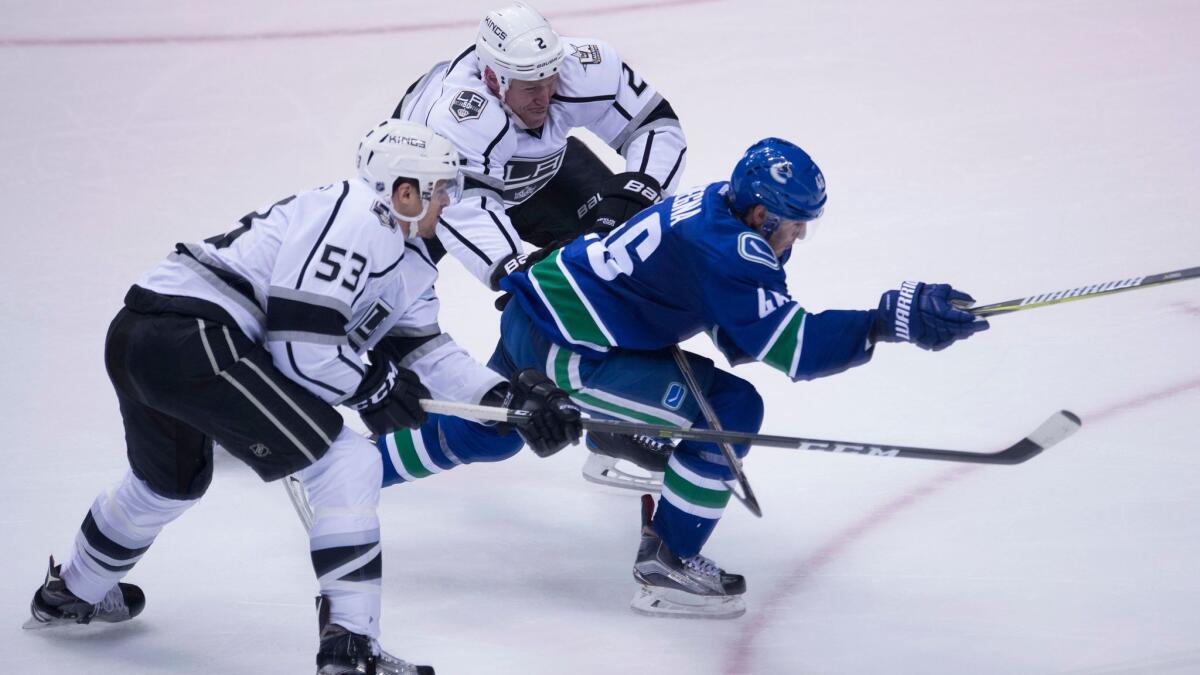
(746, 496)
(1057, 427)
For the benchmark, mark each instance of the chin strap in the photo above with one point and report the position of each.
(516, 119)
(411, 221)
(502, 82)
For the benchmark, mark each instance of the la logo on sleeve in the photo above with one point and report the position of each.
(467, 105)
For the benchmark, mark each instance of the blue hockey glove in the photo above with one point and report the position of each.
(389, 397)
(555, 423)
(927, 315)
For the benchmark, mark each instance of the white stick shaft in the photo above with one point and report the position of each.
(485, 413)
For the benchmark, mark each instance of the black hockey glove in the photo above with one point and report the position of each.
(927, 315)
(389, 397)
(555, 422)
(621, 197)
(520, 262)
(513, 262)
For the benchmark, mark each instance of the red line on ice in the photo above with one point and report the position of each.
(739, 658)
(1188, 308)
(119, 41)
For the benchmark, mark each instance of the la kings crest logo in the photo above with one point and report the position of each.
(467, 105)
(588, 55)
(382, 212)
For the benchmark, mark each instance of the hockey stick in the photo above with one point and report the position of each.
(1106, 288)
(747, 497)
(299, 498)
(1057, 427)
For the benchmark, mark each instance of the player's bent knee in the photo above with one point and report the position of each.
(352, 461)
(754, 408)
(738, 403)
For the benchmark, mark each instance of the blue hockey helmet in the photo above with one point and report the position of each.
(781, 177)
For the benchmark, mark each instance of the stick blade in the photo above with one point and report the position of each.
(1055, 429)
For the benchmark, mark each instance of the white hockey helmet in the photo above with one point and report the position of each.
(517, 43)
(401, 149)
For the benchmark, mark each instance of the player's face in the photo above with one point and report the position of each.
(786, 234)
(445, 193)
(530, 99)
(407, 202)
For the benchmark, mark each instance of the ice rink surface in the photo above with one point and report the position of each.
(1009, 148)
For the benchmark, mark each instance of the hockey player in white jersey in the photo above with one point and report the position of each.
(508, 103)
(250, 339)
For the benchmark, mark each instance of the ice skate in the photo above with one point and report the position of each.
(650, 454)
(345, 653)
(689, 588)
(54, 605)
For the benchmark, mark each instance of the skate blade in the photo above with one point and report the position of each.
(603, 470)
(386, 664)
(674, 604)
(33, 624)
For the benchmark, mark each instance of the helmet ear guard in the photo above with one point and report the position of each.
(783, 178)
(401, 149)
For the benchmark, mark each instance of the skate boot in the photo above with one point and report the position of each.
(691, 588)
(345, 653)
(54, 605)
(647, 452)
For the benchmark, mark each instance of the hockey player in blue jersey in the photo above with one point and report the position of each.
(601, 315)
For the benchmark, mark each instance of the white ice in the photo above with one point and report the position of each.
(1007, 147)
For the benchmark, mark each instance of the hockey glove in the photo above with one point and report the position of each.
(520, 262)
(927, 315)
(555, 423)
(621, 197)
(389, 397)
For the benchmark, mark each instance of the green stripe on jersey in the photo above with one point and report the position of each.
(408, 454)
(562, 378)
(782, 354)
(692, 493)
(568, 308)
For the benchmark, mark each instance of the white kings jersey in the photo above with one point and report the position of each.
(320, 278)
(506, 164)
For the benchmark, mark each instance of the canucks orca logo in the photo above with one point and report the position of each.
(781, 171)
(675, 395)
(754, 248)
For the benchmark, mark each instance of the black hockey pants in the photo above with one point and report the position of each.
(185, 378)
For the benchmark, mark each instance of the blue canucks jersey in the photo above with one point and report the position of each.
(678, 268)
